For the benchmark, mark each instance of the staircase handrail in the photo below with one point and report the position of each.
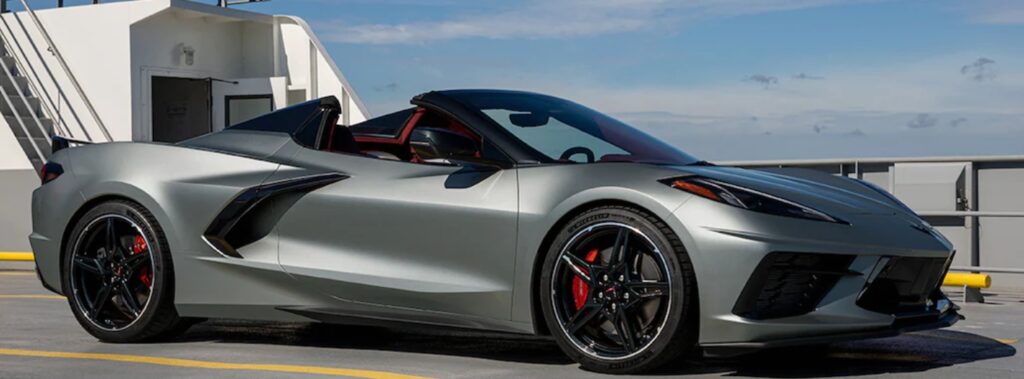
(67, 70)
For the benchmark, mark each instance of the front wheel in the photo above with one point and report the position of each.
(118, 275)
(618, 292)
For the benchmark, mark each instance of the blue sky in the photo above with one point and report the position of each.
(722, 79)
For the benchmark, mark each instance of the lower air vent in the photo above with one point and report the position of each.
(904, 286)
(790, 284)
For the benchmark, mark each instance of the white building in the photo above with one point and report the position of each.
(144, 70)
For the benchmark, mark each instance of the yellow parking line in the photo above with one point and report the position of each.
(1007, 341)
(188, 363)
(16, 273)
(49, 297)
(11, 256)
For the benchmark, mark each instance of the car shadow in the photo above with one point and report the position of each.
(915, 352)
(910, 353)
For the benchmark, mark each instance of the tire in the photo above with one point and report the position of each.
(91, 269)
(589, 325)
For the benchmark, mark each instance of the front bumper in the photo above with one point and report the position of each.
(902, 325)
(726, 246)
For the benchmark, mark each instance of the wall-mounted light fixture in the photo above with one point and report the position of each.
(186, 53)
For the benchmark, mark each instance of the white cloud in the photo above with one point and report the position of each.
(559, 19)
(998, 12)
(858, 111)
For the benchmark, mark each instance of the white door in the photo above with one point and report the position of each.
(238, 100)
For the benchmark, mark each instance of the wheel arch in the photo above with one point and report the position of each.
(100, 198)
(536, 311)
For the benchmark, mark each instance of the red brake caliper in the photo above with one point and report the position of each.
(138, 246)
(579, 288)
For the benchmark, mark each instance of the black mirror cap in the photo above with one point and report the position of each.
(437, 143)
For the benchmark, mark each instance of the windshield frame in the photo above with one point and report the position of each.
(534, 156)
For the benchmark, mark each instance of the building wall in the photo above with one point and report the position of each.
(113, 49)
(16, 208)
(94, 42)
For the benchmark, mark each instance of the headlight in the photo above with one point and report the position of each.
(747, 198)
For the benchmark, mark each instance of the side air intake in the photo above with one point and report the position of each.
(250, 216)
(790, 284)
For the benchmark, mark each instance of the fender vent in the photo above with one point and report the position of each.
(250, 216)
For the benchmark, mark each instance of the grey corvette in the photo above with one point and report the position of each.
(493, 210)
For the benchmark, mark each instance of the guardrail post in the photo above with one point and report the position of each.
(973, 295)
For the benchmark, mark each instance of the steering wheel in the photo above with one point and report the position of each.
(578, 150)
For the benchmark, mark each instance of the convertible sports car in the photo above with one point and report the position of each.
(493, 210)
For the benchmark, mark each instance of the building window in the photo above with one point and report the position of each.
(238, 109)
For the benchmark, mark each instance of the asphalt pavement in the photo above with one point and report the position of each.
(39, 338)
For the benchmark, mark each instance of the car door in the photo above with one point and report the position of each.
(404, 236)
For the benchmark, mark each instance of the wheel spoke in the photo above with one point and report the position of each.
(582, 317)
(129, 300)
(578, 266)
(134, 262)
(102, 296)
(110, 244)
(624, 328)
(618, 249)
(646, 289)
(91, 265)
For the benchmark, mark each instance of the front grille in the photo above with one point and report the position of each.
(904, 286)
(790, 284)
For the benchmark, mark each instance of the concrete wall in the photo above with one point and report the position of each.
(1001, 188)
(94, 42)
(15, 208)
(311, 70)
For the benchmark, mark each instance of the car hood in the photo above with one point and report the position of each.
(831, 194)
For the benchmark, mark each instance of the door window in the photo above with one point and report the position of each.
(239, 109)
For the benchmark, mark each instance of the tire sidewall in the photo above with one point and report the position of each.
(680, 291)
(162, 291)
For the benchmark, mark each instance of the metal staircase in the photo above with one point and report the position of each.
(32, 120)
(22, 111)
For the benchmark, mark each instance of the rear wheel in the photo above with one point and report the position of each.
(118, 275)
(618, 292)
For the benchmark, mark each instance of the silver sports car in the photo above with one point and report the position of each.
(494, 210)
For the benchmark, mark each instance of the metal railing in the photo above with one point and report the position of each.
(28, 108)
(67, 70)
(46, 107)
(854, 167)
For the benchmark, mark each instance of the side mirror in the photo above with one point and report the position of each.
(436, 143)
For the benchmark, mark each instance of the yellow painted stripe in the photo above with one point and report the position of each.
(16, 273)
(9, 256)
(49, 297)
(957, 279)
(1007, 341)
(188, 363)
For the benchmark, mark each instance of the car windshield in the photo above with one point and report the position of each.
(563, 131)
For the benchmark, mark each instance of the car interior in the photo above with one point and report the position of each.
(412, 135)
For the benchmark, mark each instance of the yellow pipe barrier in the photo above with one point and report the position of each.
(16, 257)
(959, 279)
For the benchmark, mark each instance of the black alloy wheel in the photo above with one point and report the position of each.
(619, 291)
(118, 275)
